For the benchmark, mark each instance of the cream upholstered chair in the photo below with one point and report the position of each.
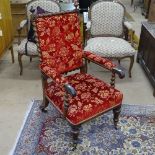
(31, 8)
(107, 32)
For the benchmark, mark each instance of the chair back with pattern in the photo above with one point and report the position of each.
(47, 5)
(60, 43)
(107, 18)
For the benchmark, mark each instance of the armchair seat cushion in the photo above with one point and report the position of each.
(111, 47)
(31, 48)
(93, 97)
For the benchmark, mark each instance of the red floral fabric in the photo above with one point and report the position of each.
(52, 73)
(93, 97)
(106, 63)
(61, 51)
(60, 42)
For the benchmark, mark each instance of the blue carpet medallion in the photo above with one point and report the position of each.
(49, 134)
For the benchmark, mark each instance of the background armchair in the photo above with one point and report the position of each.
(31, 9)
(108, 32)
(78, 97)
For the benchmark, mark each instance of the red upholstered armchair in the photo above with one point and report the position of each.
(78, 97)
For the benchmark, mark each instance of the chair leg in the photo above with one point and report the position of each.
(116, 112)
(75, 134)
(119, 61)
(20, 63)
(131, 64)
(12, 54)
(30, 59)
(44, 104)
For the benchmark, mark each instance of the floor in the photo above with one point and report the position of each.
(17, 91)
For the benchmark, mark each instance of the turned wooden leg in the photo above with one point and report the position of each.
(45, 100)
(20, 63)
(137, 59)
(75, 134)
(12, 54)
(84, 68)
(44, 104)
(116, 112)
(131, 65)
(119, 61)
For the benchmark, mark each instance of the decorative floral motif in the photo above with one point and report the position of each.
(61, 51)
(61, 46)
(49, 134)
(100, 60)
(52, 73)
(92, 99)
(60, 41)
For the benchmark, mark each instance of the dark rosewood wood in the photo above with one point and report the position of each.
(75, 134)
(112, 80)
(12, 54)
(146, 51)
(20, 61)
(45, 100)
(116, 112)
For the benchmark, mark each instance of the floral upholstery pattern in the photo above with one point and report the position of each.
(100, 60)
(60, 47)
(60, 42)
(93, 97)
(53, 74)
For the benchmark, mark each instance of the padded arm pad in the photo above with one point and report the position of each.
(22, 24)
(53, 74)
(104, 62)
(128, 25)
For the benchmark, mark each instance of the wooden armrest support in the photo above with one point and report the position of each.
(129, 32)
(69, 89)
(22, 24)
(119, 72)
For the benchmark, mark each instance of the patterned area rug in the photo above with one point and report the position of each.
(49, 134)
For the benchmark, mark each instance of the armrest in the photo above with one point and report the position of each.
(22, 24)
(128, 25)
(103, 62)
(129, 32)
(53, 74)
(118, 71)
(86, 21)
(88, 25)
(58, 78)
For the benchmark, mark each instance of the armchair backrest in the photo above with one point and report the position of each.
(47, 5)
(59, 41)
(106, 18)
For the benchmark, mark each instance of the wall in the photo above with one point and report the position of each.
(151, 17)
(5, 26)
